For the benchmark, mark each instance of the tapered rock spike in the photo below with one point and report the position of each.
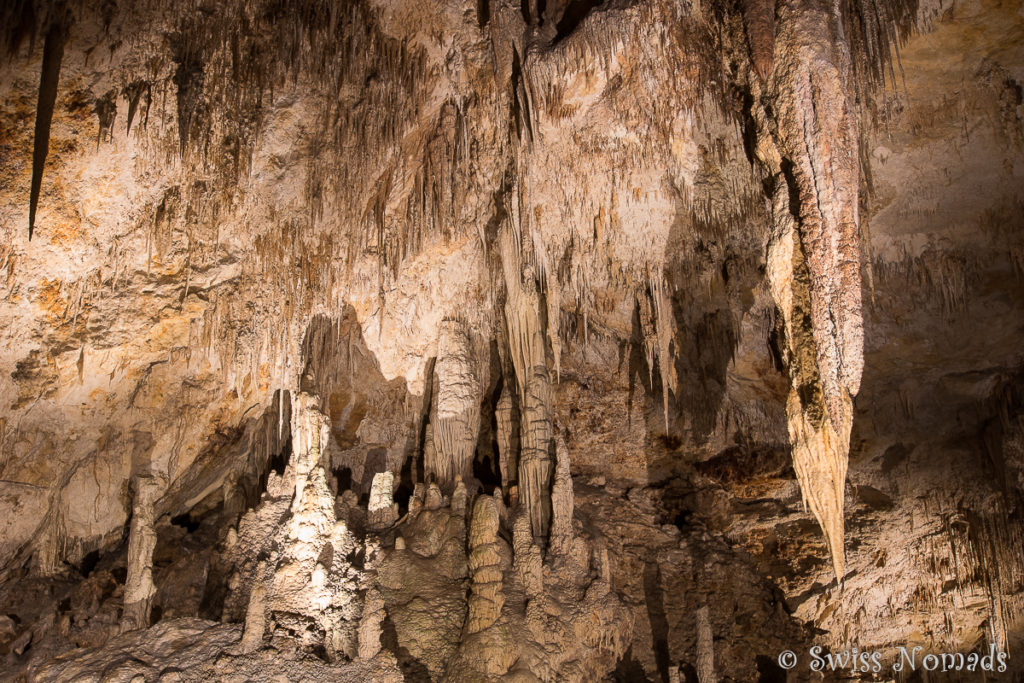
(53, 54)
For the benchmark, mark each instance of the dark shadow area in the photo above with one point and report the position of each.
(768, 670)
(413, 669)
(655, 601)
(575, 12)
(628, 670)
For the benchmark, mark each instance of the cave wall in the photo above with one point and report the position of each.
(757, 265)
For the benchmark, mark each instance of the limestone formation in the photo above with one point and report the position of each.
(382, 512)
(561, 501)
(480, 341)
(526, 338)
(139, 587)
(458, 406)
(370, 624)
(256, 614)
(486, 598)
(705, 647)
(503, 418)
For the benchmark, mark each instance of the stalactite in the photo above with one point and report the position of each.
(665, 332)
(814, 257)
(759, 22)
(106, 111)
(137, 92)
(529, 359)
(53, 53)
(820, 452)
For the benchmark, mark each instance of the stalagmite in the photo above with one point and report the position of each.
(256, 614)
(310, 433)
(433, 500)
(371, 623)
(430, 453)
(459, 499)
(527, 557)
(705, 647)
(313, 589)
(503, 417)
(382, 511)
(458, 405)
(486, 597)
(139, 588)
(561, 500)
(419, 492)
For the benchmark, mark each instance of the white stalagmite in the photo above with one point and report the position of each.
(310, 432)
(459, 392)
(303, 591)
(139, 588)
(382, 511)
(526, 556)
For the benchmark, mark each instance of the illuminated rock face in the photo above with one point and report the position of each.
(559, 340)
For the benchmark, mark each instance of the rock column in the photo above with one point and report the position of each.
(139, 588)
